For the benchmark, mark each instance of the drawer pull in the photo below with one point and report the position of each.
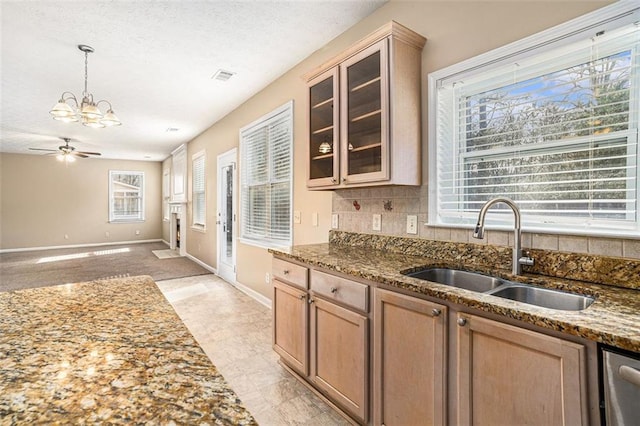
(436, 312)
(334, 290)
(462, 322)
(286, 272)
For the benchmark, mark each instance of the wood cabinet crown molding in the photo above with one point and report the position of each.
(391, 29)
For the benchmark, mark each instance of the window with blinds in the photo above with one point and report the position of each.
(555, 128)
(266, 148)
(198, 191)
(126, 196)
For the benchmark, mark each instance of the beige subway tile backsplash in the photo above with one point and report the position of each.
(404, 201)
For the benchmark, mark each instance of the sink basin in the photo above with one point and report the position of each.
(456, 278)
(543, 297)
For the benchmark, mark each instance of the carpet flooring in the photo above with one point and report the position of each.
(51, 267)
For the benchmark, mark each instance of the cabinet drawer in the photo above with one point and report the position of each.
(345, 291)
(290, 273)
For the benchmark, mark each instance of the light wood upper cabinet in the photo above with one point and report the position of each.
(409, 375)
(364, 113)
(507, 375)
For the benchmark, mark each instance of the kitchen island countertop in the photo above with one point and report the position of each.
(109, 351)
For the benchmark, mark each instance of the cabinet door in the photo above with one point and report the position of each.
(365, 115)
(339, 356)
(290, 325)
(324, 147)
(512, 376)
(409, 360)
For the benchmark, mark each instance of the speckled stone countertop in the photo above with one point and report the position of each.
(111, 352)
(614, 317)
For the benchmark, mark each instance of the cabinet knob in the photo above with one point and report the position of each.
(462, 322)
(344, 179)
(302, 296)
(310, 301)
(436, 312)
(286, 272)
(333, 180)
(334, 289)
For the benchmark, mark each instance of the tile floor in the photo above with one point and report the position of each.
(235, 332)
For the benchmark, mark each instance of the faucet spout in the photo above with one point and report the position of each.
(518, 259)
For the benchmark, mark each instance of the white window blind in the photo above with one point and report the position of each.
(126, 196)
(198, 198)
(266, 174)
(556, 130)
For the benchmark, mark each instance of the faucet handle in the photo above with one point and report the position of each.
(526, 259)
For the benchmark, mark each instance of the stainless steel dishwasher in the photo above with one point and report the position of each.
(621, 387)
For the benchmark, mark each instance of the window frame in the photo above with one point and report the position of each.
(263, 122)
(126, 219)
(199, 156)
(576, 30)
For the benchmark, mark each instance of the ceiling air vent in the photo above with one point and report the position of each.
(222, 75)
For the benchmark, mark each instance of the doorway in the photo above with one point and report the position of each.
(226, 220)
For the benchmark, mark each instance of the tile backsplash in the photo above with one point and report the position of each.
(356, 207)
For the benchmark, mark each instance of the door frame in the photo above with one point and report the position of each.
(225, 159)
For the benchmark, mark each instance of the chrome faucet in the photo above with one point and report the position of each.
(518, 259)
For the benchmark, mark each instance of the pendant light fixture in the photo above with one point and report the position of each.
(86, 111)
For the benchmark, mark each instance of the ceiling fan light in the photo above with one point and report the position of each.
(60, 157)
(69, 158)
(62, 109)
(110, 119)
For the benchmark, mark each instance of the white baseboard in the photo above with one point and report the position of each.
(115, 243)
(253, 294)
(201, 263)
(243, 288)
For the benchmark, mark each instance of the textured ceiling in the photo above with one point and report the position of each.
(154, 62)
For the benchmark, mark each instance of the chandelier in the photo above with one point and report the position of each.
(68, 109)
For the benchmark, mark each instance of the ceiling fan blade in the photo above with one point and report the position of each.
(78, 154)
(87, 153)
(41, 149)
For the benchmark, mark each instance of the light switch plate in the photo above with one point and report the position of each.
(376, 225)
(296, 216)
(334, 221)
(412, 224)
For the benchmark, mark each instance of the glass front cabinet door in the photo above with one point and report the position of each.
(365, 116)
(364, 113)
(324, 149)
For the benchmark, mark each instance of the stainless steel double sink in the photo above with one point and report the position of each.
(546, 298)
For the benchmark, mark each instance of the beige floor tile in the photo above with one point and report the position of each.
(235, 333)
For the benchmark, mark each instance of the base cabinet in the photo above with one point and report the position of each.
(409, 360)
(507, 375)
(339, 356)
(290, 325)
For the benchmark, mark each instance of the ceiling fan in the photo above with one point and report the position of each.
(66, 152)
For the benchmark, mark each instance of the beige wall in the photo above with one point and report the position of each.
(455, 30)
(43, 199)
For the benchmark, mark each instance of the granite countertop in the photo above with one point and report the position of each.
(111, 351)
(614, 317)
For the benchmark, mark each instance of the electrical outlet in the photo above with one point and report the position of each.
(106, 234)
(137, 232)
(314, 219)
(376, 225)
(412, 224)
(334, 221)
(66, 236)
(267, 278)
(296, 216)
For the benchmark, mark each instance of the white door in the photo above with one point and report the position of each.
(226, 220)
